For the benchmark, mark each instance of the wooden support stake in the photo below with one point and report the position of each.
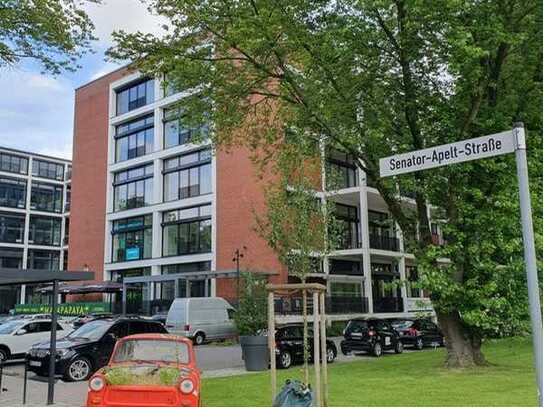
(316, 350)
(324, 350)
(271, 343)
(306, 335)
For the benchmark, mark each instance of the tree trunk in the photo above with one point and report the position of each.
(463, 349)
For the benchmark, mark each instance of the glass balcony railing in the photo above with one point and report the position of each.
(384, 243)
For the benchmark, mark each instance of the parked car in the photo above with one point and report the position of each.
(83, 319)
(88, 348)
(201, 319)
(148, 370)
(289, 346)
(370, 335)
(160, 317)
(18, 336)
(418, 333)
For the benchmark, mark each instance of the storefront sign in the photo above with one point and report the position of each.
(68, 309)
(133, 253)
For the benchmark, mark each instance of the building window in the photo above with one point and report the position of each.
(345, 267)
(12, 192)
(134, 139)
(68, 198)
(187, 175)
(12, 228)
(187, 231)
(340, 171)
(347, 217)
(120, 275)
(13, 163)
(11, 258)
(44, 231)
(186, 267)
(43, 260)
(46, 169)
(176, 132)
(135, 95)
(133, 188)
(132, 238)
(46, 197)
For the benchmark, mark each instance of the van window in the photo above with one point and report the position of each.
(231, 313)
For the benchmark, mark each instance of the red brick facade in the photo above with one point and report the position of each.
(88, 201)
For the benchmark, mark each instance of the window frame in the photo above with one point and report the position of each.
(131, 135)
(147, 178)
(134, 229)
(36, 185)
(182, 169)
(188, 222)
(21, 227)
(42, 168)
(15, 161)
(12, 181)
(140, 101)
(54, 231)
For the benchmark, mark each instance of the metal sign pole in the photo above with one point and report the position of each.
(53, 347)
(529, 254)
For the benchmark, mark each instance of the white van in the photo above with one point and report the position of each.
(201, 319)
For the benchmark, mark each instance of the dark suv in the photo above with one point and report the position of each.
(89, 347)
(289, 346)
(418, 332)
(370, 335)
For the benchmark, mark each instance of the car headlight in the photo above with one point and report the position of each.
(96, 383)
(186, 386)
(63, 352)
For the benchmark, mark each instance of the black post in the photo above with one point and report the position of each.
(238, 255)
(53, 347)
(1, 375)
(25, 380)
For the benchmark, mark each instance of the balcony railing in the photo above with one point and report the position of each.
(388, 304)
(384, 243)
(334, 305)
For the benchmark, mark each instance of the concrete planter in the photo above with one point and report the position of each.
(255, 352)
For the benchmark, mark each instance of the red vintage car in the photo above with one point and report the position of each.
(148, 370)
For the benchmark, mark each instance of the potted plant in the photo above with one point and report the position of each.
(251, 321)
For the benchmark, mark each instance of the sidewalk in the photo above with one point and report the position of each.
(66, 394)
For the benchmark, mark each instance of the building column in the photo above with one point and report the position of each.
(365, 236)
(401, 268)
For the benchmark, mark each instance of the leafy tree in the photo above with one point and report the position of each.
(252, 313)
(53, 32)
(373, 78)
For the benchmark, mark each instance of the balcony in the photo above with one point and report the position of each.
(334, 305)
(388, 304)
(384, 243)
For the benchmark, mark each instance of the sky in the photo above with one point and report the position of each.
(36, 112)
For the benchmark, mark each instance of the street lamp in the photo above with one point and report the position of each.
(238, 255)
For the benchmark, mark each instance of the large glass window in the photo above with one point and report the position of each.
(43, 259)
(44, 231)
(186, 267)
(133, 188)
(134, 139)
(187, 231)
(46, 169)
(176, 132)
(13, 163)
(12, 227)
(11, 258)
(135, 95)
(347, 216)
(132, 238)
(46, 197)
(187, 175)
(12, 192)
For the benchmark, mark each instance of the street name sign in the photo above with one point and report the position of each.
(439, 156)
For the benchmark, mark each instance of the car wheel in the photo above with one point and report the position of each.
(78, 370)
(419, 344)
(4, 355)
(199, 338)
(377, 349)
(399, 347)
(285, 360)
(330, 355)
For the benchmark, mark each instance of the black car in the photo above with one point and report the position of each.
(88, 348)
(370, 335)
(289, 346)
(83, 319)
(418, 332)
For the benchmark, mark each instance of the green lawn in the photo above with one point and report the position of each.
(413, 379)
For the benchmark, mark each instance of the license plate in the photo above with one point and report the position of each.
(34, 363)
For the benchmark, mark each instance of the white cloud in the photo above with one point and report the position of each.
(127, 15)
(37, 113)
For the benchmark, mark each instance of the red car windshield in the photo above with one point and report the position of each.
(151, 350)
